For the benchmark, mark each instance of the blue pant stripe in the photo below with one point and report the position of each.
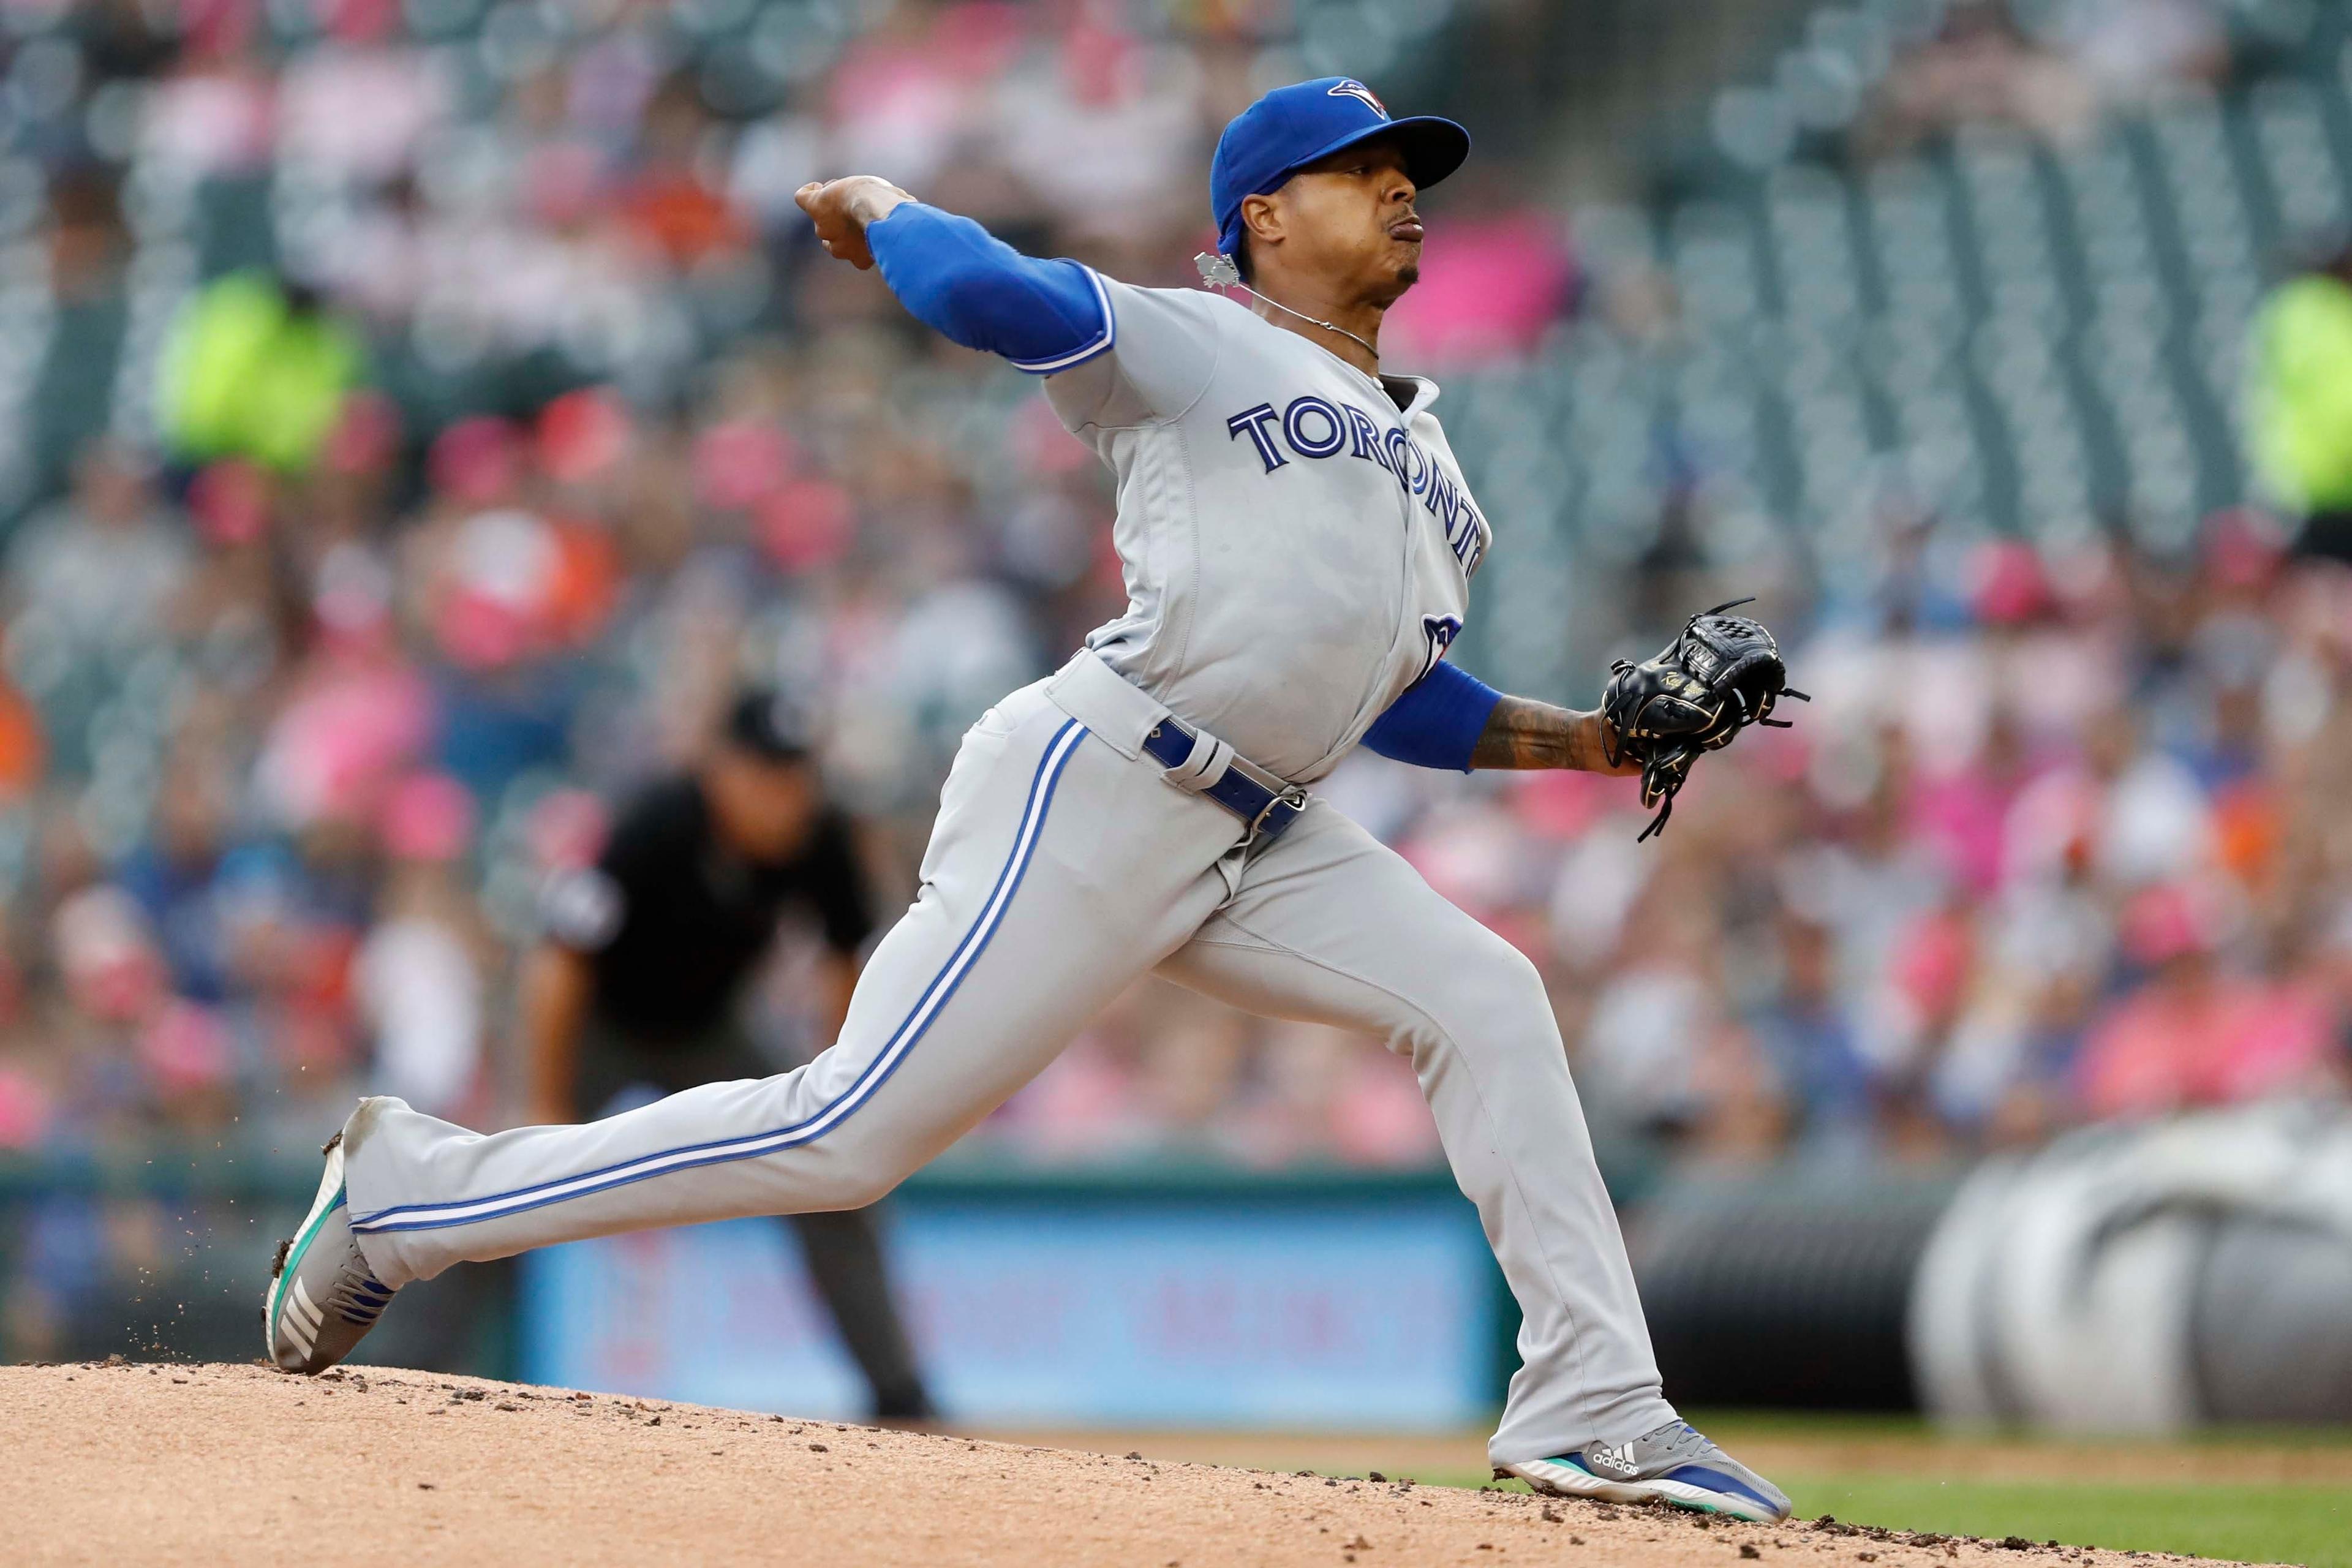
(935, 996)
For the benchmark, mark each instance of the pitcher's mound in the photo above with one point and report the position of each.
(240, 1465)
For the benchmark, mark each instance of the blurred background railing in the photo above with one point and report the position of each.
(415, 418)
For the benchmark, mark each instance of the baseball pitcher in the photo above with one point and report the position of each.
(1299, 544)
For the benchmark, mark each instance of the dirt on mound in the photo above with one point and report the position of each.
(115, 1462)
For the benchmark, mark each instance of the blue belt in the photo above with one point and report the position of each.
(1268, 808)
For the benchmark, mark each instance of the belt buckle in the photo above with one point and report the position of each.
(1291, 795)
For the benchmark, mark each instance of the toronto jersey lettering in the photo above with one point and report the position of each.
(1313, 427)
(1297, 549)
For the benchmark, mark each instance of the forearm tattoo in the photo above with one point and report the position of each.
(1521, 733)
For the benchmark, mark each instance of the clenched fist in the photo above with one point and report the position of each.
(842, 208)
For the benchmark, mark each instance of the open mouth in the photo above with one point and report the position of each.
(1406, 229)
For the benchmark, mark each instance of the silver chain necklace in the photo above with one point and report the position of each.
(1220, 272)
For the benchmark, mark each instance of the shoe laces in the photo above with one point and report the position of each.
(1677, 1438)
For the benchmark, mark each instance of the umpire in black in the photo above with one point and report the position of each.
(638, 981)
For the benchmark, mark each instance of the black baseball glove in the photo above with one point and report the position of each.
(1721, 675)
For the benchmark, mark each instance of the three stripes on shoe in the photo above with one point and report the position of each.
(302, 1317)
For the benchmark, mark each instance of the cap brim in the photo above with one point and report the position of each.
(1433, 147)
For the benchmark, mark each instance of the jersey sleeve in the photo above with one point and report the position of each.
(1162, 350)
(584, 908)
(1437, 722)
(971, 287)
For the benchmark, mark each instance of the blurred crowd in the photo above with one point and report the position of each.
(2057, 841)
(2049, 66)
(541, 427)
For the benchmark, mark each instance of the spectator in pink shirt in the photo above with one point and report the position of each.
(2195, 1034)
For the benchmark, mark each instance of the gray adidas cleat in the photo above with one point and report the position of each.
(321, 1300)
(1675, 1464)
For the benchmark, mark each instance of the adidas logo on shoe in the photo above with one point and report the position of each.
(1618, 1460)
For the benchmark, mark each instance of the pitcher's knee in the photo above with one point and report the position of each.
(1494, 991)
(857, 1165)
(855, 1189)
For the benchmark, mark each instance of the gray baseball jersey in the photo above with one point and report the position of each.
(1299, 552)
(1298, 540)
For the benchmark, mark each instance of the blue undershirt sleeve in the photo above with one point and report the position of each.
(1437, 722)
(965, 283)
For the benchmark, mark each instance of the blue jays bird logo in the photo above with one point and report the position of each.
(1351, 88)
(1441, 630)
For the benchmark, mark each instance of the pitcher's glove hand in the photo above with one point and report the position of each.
(1721, 675)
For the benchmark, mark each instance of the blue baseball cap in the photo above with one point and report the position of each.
(1291, 127)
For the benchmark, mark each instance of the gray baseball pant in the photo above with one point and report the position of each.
(1064, 865)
